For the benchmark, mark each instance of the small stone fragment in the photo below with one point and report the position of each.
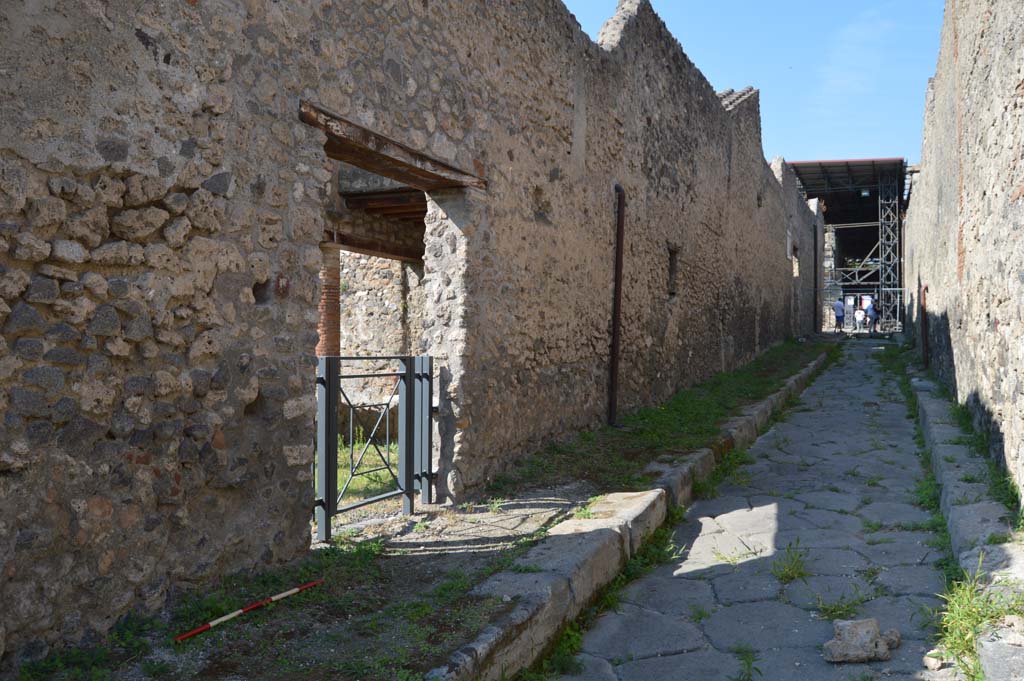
(24, 318)
(118, 347)
(176, 231)
(205, 211)
(65, 355)
(12, 283)
(175, 203)
(57, 272)
(859, 641)
(1013, 633)
(90, 227)
(69, 251)
(218, 184)
(105, 322)
(119, 253)
(110, 191)
(28, 402)
(47, 378)
(139, 328)
(30, 247)
(142, 189)
(933, 660)
(28, 348)
(136, 225)
(46, 212)
(42, 290)
(64, 187)
(160, 257)
(218, 99)
(96, 283)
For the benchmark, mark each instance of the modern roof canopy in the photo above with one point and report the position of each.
(820, 178)
(849, 187)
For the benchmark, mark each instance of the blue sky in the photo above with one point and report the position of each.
(837, 79)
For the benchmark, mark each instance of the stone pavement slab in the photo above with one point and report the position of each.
(592, 669)
(706, 665)
(765, 625)
(631, 633)
(739, 587)
(892, 514)
(679, 597)
(807, 592)
(912, 579)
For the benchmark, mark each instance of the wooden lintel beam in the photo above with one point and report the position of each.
(411, 211)
(369, 201)
(366, 149)
(371, 246)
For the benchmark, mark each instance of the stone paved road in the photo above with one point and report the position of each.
(835, 479)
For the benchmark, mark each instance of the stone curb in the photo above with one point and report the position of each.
(562, 574)
(971, 516)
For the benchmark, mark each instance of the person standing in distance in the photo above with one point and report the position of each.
(840, 311)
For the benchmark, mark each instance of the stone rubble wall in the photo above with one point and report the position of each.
(963, 229)
(160, 210)
(631, 110)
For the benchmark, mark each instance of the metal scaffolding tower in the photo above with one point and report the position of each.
(888, 239)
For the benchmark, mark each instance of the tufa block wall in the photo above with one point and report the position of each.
(161, 208)
(963, 229)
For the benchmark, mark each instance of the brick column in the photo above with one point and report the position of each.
(329, 326)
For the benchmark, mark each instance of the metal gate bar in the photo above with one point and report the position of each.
(414, 387)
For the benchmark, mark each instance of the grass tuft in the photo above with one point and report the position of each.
(969, 609)
(792, 565)
(747, 658)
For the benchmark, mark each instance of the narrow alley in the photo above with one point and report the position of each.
(821, 526)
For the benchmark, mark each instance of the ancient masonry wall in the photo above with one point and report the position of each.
(161, 207)
(964, 242)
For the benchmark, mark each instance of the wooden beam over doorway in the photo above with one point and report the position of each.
(367, 245)
(371, 151)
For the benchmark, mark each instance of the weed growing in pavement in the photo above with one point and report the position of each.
(969, 608)
(747, 657)
(843, 608)
(699, 614)
(792, 565)
(871, 525)
(927, 492)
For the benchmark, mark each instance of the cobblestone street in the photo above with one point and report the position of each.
(830, 494)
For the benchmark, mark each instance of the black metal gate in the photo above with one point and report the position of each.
(368, 448)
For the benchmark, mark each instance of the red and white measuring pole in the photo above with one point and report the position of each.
(252, 606)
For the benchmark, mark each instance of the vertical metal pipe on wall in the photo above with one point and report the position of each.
(613, 366)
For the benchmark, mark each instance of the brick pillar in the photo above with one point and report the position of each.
(329, 326)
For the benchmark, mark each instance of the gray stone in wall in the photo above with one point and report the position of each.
(24, 318)
(104, 322)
